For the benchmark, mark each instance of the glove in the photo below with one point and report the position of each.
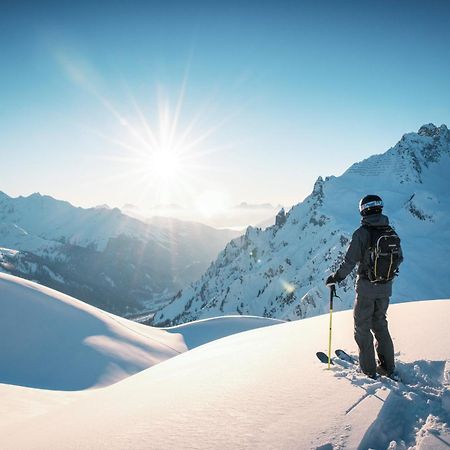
(331, 280)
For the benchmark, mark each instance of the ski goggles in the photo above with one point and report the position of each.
(372, 204)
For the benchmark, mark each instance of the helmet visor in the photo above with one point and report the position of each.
(372, 204)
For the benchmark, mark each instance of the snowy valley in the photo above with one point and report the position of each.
(101, 255)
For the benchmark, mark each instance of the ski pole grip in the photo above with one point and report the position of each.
(332, 294)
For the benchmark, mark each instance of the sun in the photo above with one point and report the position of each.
(160, 156)
(165, 165)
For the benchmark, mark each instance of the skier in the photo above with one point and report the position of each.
(373, 289)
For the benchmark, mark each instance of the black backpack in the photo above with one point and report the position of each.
(384, 254)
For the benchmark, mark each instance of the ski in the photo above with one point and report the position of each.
(341, 354)
(323, 357)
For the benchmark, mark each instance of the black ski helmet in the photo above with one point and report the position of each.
(370, 204)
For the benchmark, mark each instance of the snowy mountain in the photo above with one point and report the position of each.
(279, 271)
(101, 255)
(262, 388)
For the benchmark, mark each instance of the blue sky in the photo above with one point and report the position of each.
(283, 91)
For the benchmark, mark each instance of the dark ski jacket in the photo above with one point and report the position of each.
(358, 253)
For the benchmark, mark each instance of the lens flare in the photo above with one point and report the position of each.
(289, 288)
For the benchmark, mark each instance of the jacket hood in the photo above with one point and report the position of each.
(375, 220)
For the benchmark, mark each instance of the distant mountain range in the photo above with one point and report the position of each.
(173, 206)
(101, 255)
(236, 217)
(279, 271)
(245, 205)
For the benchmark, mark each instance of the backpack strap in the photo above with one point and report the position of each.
(371, 229)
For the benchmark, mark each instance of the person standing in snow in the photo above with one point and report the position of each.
(372, 295)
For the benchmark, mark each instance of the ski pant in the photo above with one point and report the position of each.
(370, 319)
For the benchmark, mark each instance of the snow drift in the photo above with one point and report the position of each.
(52, 341)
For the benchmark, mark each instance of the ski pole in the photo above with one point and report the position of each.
(332, 293)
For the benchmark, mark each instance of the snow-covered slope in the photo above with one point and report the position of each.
(279, 271)
(49, 340)
(52, 341)
(101, 255)
(203, 331)
(260, 389)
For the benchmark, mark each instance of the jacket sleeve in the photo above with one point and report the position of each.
(354, 255)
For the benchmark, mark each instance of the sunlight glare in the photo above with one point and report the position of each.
(164, 165)
(162, 157)
(211, 203)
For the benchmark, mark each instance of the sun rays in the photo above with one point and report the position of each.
(158, 153)
(159, 146)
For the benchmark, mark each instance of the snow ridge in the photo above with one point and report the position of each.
(55, 342)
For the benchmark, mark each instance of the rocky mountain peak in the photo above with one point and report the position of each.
(280, 272)
(317, 193)
(432, 130)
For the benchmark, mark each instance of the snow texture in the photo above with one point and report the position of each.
(262, 388)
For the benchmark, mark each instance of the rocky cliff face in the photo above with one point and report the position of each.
(279, 271)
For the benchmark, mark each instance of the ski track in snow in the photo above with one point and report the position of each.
(411, 411)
